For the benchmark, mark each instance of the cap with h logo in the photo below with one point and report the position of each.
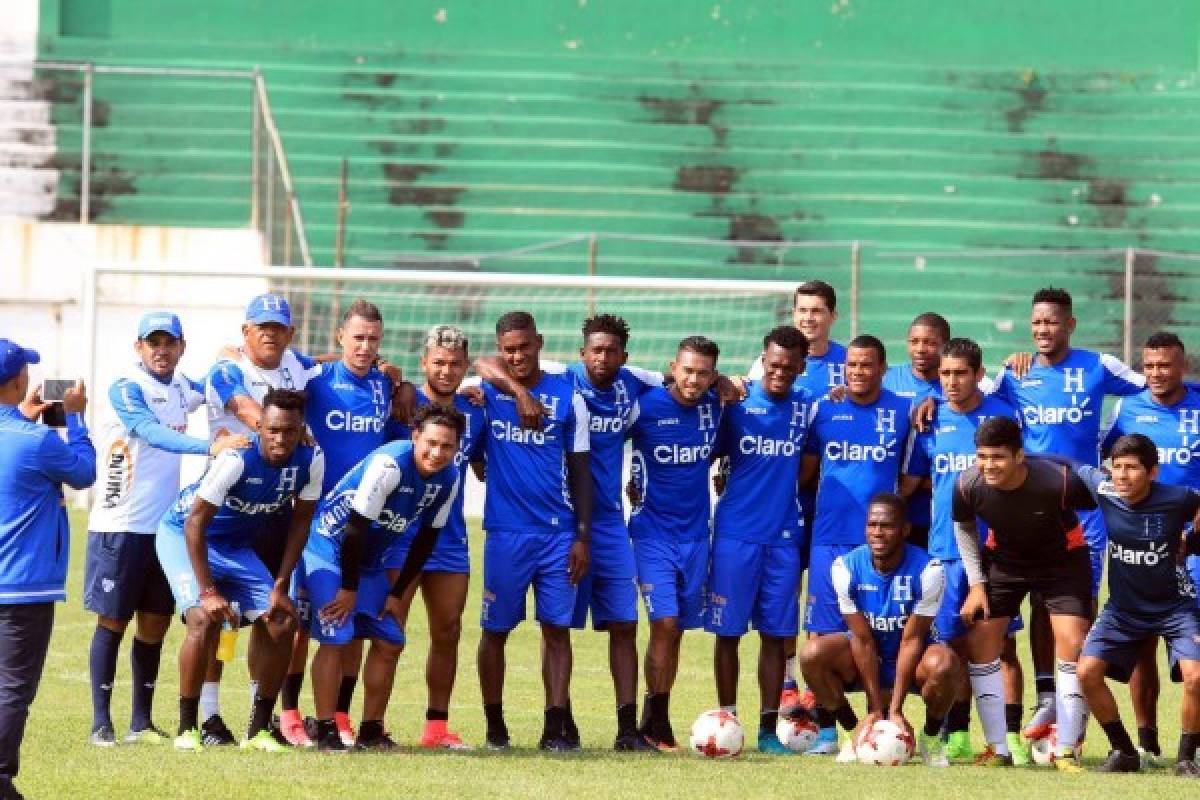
(163, 321)
(269, 308)
(13, 359)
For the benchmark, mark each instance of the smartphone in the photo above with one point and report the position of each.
(55, 389)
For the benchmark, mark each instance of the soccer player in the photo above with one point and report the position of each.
(234, 391)
(1169, 414)
(673, 432)
(205, 544)
(142, 439)
(405, 491)
(446, 574)
(758, 530)
(1060, 400)
(538, 517)
(857, 445)
(1035, 544)
(941, 453)
(349, 415)
(1149, 595)
(889, 592)
(609, 589)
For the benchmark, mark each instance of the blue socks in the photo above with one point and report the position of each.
(143, 659)
(102, 663)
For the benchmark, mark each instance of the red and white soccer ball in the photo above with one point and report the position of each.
(717, 734)
(797, 732)
(884, 744)
(1041, 750)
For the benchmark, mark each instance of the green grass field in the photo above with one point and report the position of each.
(59, 763)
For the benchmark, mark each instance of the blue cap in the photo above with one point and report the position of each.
(156, 321)
(269, 308)
(13, 358)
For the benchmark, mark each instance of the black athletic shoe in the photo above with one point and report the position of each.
(558, 745)
(375, 744)
(332, 743)
(215, 733)
(104, 736)
(632, 743)
(1187, 769)
(310, 727)
(277, 732)
(1120, 762)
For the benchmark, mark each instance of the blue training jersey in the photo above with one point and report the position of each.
(248, 491)
(527, 487)
(349, 416)
(470, 449)
(386, 488)
(1144, 576)
(901, 380)
(942, 453)
(821, 373)
(1175, 430)
(860, 448)
(672, 450)
(764, 440)
(886, 600)
(608, 420)
(1061, 405)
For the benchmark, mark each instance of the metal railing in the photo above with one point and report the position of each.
(275, 210)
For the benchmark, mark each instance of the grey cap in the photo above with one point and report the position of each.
(446, 336)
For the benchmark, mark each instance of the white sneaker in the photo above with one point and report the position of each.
(847, 755)
(1045, 714)
(1149, 760)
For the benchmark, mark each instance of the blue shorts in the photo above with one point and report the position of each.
(609, 589)
(1096, 534)
(512, 562)
(122, 575)
(318, 579)
(948, 624)
(887, 674)
(821, 611)
(751, 583)
(1117, 637)
(671, 576)
(448, 554)
(237, 572)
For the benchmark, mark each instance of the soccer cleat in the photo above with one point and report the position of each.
(1120, 762)
(498, 743)
(933, 752)
(768, 742)
(332, 743)
(345, 729)
(150, 735)
(264, 741)
(847, 755)
(216, 733)
(633, 743)
(990, 758)
(291, 725)
(1045, 714)
(1187, 769)
(808, 700)
(1067, 762)
(1148, 759)
(383, 743)
(104, 736)
(789, 699)
(826, 743)
(190, 740)
(558, 744)
(958, 746)
(1019, 748)
(437, 737)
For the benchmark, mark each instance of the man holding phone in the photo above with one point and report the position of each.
(34, 537)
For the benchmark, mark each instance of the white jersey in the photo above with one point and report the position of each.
(136, 482)
(240, 376)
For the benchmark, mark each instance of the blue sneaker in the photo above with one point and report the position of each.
(768, 742)
(826, 743)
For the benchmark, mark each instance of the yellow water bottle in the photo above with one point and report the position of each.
(227, 645)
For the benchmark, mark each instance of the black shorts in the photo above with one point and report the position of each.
(271, 541)
(121, 575)
(1065, 587)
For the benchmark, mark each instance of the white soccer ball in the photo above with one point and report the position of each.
(885, 744)
(717, 734)
(797, 733)
(1041, 750)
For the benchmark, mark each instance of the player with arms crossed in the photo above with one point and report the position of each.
(538, 516)
(889, 591)
(1149, 595)
(404, 491)
(142, 441)
(758, 530)
(673, 432)
(205, 543)
(1035, 543)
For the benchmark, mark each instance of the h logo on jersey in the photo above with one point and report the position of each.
(622, 393)
(377, 393)
(550, 404)
(902, 589)
(287, 479)
(798, 414)
(885, 420)
(705, 413)
(1189, 421)
(837, 374)
(431, 493)
(1073, 379)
